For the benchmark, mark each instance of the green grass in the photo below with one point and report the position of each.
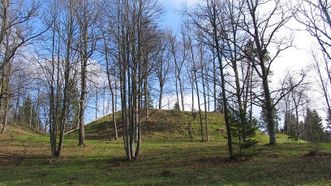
(162, 125)
(25, 160)
(169, 125)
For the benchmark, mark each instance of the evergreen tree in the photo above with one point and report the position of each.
(328, 121)
(28, 115)
(289, 124)
(149, 101)
(313, 128)
(238, 130)
(176, 106)
(219, 106)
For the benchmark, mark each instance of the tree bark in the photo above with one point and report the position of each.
(222, 76)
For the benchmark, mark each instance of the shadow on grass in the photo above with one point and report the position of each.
(160, 163)
(13, 160)
(179, 165)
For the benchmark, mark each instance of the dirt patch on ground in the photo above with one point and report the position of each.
(313, 154)
(224, 160)
(213, 160)
(167, 173)
(10, 159)
(217, 160)
(118, 162)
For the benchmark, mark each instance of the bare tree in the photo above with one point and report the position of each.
(86, 13)
(179, 58)
(315, 16)
(263, 26)
(59, 74)
(163, 63)
(294, 105)
(111, 77)
(235, 39)
(298, 96)
(203, 66)
(207, 19)
(16, 32)
(194, 79)
(131, 40)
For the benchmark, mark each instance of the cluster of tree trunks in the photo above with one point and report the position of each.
(225, 50)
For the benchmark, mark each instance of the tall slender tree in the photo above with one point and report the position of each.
(86, 14)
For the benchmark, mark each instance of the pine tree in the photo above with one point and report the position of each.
(328, 127)
(238, 130)
(176, 106)
(328, 121)
(314, 129)
(149, 101)
(28, 114)
(289, 124)
(219, 106)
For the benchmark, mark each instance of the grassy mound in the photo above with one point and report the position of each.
(13, 131)
(166, 125)
(170, 125)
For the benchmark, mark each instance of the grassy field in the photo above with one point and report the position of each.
(167, 158)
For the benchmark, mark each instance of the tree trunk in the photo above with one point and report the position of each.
(146, 97)
(192, 92)
(195, 79)
(96, 102)
(214, 80)
(161, 94)
(199, 106)
(181, 92)
(112, 91)
(204, 94)
(82, 103)
(30, 114)
(5, 117)
(269, 113)
(113, 113)
(66, 86)
(224, 97)
(176, 86)
(5, 96)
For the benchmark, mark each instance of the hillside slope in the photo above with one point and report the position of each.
(15, 131)
(169, 125)
(162, 124)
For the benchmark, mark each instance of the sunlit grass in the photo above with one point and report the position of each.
(166, 159)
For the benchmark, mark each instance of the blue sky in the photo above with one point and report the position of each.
(172, 17)
(294, 59)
